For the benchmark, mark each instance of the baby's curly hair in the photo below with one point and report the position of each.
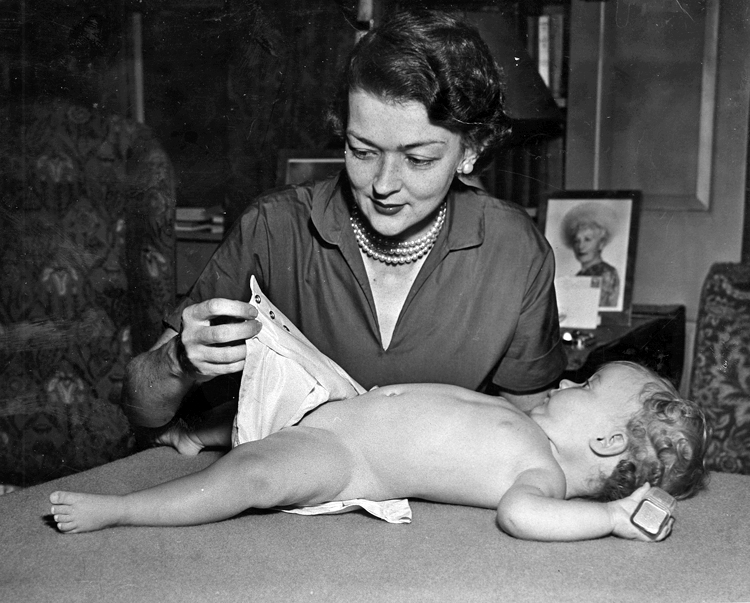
(667, 442)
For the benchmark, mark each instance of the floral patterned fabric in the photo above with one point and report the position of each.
(721, 367)
(86, 274)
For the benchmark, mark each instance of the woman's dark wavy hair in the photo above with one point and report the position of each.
(437, 60)
(667, 442)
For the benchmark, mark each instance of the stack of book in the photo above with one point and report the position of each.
(547, 45)
(199, 219)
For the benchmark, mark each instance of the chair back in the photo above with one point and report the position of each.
(86, 274)
(720, 379)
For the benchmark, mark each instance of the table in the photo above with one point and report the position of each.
(194, 249)
(447, 554)
(655, 338)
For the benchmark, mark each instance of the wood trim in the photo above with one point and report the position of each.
(746, 213)
(588, 159)
(708, 104)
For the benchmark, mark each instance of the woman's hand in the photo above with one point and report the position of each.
(212, 339)
(620, 512)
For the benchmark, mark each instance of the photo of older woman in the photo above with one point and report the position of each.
(587, 231)
(593, 236)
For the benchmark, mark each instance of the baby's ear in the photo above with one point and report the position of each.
(612, 444)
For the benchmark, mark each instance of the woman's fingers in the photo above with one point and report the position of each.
(213, 335)
(219, 308)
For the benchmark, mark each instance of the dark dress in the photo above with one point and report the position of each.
(481, 310)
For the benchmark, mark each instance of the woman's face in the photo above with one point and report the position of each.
(587, 244)
(400, 165)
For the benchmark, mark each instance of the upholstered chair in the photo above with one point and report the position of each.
(86, 274)
(720, 379)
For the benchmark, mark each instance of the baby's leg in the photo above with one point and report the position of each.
(296, 466)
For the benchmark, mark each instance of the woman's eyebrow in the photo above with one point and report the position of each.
(406, 147)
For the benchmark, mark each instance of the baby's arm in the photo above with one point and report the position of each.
(530, 509)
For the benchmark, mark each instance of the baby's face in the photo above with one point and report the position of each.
(610, 395)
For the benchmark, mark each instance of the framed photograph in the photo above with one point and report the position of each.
(296, 167)
(594, 235)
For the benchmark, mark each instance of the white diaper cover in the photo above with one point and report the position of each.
(284, 378)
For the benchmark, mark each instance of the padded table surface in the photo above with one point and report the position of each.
(448, 553)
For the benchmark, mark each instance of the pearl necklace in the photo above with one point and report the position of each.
(391, 252)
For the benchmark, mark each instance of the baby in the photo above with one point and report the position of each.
(573, 468)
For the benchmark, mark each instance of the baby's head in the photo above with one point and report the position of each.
(667, 442)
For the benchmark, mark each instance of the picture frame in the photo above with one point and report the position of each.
(298, 166)
(594, 234)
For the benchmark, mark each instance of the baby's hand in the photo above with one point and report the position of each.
(620, 512)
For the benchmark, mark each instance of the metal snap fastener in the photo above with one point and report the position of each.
(271, 314)
(257, 299)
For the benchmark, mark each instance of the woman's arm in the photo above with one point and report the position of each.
(528, 511)
(212, 343)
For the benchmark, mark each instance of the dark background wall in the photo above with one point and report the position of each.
(226, 83)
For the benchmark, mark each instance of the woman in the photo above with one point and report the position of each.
(394, 268)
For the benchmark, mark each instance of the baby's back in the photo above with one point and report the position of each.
(438, 442)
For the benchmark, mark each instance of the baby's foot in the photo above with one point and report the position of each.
(180, 437)
(75, 512)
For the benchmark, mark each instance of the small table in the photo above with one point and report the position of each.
(193, 251)
(655, 338)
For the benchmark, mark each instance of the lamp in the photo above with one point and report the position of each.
(528, 101)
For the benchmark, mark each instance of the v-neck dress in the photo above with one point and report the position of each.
(482, 309)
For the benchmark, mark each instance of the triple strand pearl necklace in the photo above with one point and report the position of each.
(389, 251)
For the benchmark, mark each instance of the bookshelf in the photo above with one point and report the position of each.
(547, 35)
(190, 221)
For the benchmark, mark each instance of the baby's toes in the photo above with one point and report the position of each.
(61, 498)
(61, 513)
(65, 525)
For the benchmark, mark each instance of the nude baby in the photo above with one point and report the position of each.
(545, 473)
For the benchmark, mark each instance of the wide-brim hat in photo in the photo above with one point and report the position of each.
(592, 212)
